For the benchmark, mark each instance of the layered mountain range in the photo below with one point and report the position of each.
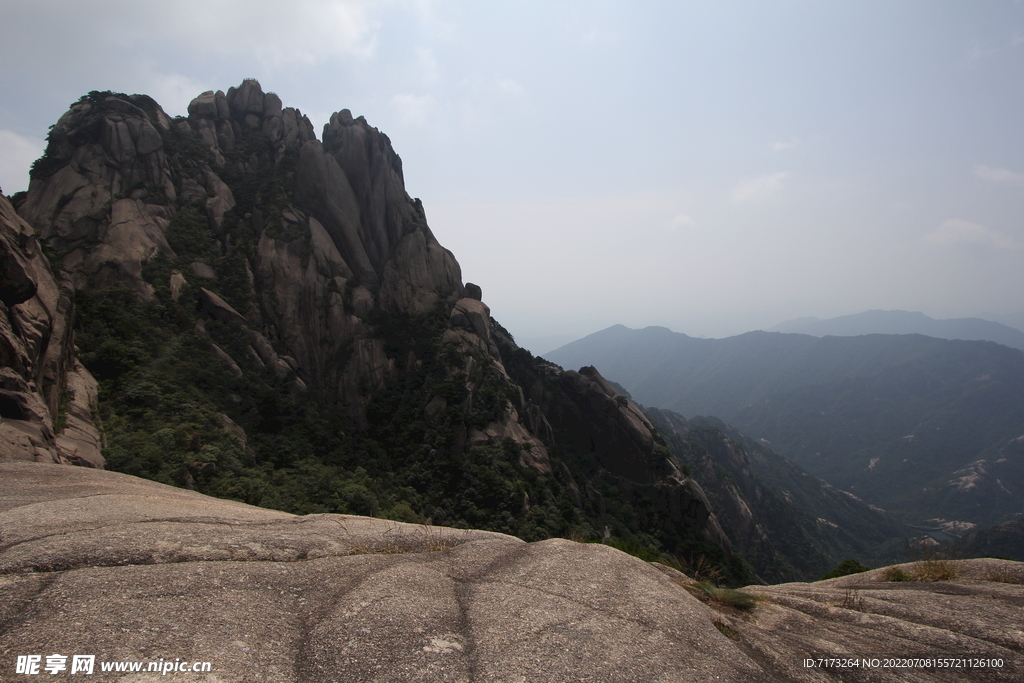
(269, 318)
(905, 322)
(927, 428)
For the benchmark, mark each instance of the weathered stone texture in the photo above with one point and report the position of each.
(128, 569)
(41, 382)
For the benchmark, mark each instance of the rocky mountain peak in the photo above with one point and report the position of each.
(332, 235)
(257, 303)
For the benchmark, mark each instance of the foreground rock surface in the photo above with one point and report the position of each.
(95, 562)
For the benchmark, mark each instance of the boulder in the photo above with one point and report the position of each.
(271, 105)
(176, 282)
(223, 356)
(204, 106)
(223, 108)
(79, 440)
(202, 271)
(16, 282)
(220, 309)
(322, 188)
(535, 453)
(192, 192)
(246, 98)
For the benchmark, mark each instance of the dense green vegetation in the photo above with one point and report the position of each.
(167, 407)
(845, 568)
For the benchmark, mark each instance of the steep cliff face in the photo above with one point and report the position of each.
(46, 396)
(616, 456)
(271, 318)
(788, 524)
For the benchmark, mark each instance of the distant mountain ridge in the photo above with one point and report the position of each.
(919, 426)
(905, 322)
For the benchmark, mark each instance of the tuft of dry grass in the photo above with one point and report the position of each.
(935, 570)
(852, 600)
(709, 592)
(1003, 575)
(391, 542)
(374, 549)
(893, 574)
(435, 540)
(925, 570)
(702, 569)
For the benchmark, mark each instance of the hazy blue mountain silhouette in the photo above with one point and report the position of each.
(905, 322)
(918, 425)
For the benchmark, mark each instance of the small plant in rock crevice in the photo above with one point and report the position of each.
(708, 592)
(852, 599)
(726, 630)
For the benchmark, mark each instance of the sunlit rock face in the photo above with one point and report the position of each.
(45, 394)
(105, 192)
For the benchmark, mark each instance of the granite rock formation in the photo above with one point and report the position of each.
(303, 268)
(46, 396)
(337, 237)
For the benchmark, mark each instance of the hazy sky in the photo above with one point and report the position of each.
(712, 167)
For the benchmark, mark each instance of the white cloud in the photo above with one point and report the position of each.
(594, 35)
(16, 156)
(957, 231)
(431, 22)
(414, 109)
(173, 91)
(511, 87)
(999, 175)
(760, 188)
(311, 33)
(683, 221)
(783, 145)
(428, 67)
(307, 33)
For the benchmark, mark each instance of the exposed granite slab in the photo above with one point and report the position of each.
(95, 562)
